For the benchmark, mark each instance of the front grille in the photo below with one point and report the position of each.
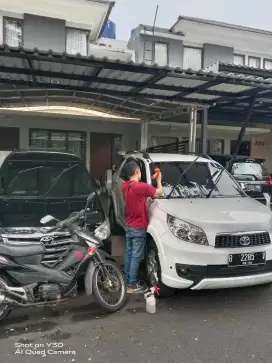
(54, 249)
(234, 240)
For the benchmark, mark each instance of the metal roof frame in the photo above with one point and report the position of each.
(35, 78)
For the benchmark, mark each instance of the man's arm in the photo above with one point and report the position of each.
(151, 192)
(159, 190)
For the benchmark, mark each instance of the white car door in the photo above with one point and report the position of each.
(118, 179)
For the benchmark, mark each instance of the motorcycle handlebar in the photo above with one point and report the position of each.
(66, 222)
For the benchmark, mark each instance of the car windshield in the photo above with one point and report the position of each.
(255, 169)
(51, 179)
(197, 181)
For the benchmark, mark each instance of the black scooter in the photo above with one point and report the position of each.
(25, 282)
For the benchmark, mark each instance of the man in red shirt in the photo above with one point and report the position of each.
(135, 195)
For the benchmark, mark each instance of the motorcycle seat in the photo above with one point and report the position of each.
(15, 250)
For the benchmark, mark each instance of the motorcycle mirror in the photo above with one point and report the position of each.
(90, 197)
(47, 219)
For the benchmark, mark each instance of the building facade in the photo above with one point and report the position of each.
(90, 134)
(73, 27)
(198, 43)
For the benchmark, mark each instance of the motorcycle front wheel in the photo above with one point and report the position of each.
(109, 287)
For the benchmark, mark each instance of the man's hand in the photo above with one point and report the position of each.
(159, 190)
(159, 178)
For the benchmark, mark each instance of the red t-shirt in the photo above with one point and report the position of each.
(136, 208)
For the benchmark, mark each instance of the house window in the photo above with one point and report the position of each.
(163, 140)
(239, 60)
(155, 52)
(77, 41)
(254, 62)
(13, 30)
(267, 64)
(67, 141)
(161, 54)
(192, 58)
(216, 146)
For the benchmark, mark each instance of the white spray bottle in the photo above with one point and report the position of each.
(151, 300)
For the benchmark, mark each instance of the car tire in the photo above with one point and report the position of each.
(153, 271)
(115, 228)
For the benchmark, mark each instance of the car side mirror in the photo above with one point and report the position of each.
(97, 186)
(47, 219)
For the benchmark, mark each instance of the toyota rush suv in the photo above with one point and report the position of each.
(204, 232)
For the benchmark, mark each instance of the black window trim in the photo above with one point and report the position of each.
(266, 60)
(19, 21)
(192, 47)
(83, 158)
(88, 31)
(253, 57)
(152, 51)
(240, 55)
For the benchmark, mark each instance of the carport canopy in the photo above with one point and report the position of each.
(30, 78)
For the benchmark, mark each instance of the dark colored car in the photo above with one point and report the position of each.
(249, 172)
(37, 183)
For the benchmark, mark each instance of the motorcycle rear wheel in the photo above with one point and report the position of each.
(110, 291)
(4, 309)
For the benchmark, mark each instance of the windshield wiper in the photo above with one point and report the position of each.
(22, 172)
(180, 178)
(64, 171)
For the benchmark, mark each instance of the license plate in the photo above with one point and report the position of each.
(253, 188)
(245, 259)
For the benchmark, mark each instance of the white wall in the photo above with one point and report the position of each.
(130, 131)
(89, 13)
(248, 42)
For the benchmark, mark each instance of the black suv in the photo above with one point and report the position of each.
(249, 172)
(36, 183)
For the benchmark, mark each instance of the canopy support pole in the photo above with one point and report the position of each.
(192, 135)
(204, 127)
(242, 132)
(144, 135)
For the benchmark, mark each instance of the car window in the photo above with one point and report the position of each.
(123, 174)
(195, 180)
(37, 179)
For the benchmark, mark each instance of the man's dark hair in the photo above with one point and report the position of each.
(131, 168)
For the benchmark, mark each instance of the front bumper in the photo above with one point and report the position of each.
(196, 277)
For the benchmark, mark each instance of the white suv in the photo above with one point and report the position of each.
(205, 232)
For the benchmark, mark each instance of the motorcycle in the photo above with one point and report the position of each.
(25, 282)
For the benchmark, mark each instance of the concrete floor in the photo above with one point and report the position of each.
(228, 326)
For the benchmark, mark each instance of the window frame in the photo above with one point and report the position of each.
(67, 28)
(153, 51)
(239, 55)
(253, 57)
(192, 47)
(18, 20)
(50, 131)
(267, 60)
(222, 141)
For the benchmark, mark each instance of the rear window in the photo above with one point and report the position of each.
(53, 179)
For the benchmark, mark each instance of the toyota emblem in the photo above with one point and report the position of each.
(245, 241)
(47, 240)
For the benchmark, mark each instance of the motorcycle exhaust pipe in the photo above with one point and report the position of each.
(8, 301)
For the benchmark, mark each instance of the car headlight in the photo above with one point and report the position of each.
(186, 231)
(103, 231)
